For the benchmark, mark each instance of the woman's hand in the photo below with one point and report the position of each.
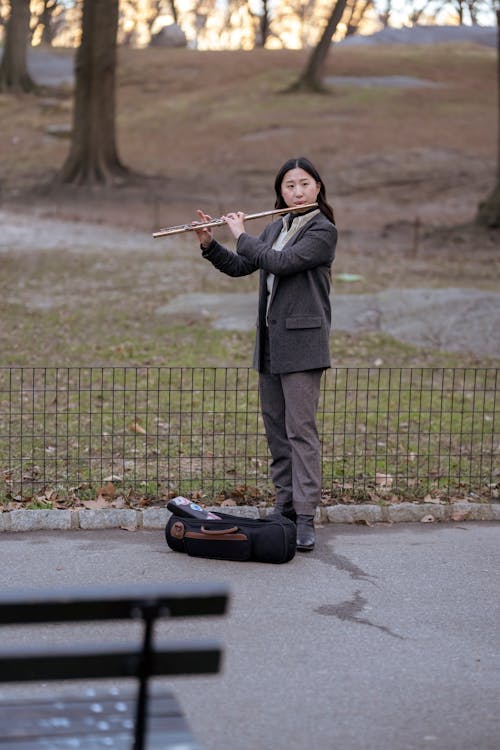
(235, 222)
(205, 235)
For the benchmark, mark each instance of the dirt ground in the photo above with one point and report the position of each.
(406, 165)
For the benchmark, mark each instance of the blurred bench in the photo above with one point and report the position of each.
(114, 717)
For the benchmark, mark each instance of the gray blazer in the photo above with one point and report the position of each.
(299, 316)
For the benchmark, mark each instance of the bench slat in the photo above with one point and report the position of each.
(155, 741)
(111, 602)
(63, 717)
(102, 716)
(104, 660)
(99, 721)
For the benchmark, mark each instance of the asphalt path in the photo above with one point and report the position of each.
(383, 638)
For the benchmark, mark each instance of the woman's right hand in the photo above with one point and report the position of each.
(205, 235)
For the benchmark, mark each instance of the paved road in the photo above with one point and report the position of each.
(384, 638)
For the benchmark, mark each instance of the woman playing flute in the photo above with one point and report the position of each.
(294, 254)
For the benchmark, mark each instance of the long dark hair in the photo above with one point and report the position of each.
(302, 163)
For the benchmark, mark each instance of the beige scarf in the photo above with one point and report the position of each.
(284, 236)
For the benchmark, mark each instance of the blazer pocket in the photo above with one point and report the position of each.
(303, 321)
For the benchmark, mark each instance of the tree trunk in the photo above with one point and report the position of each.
(489, 211)
(350, 23)
(264, 24)
(357, 13)
(93, 157)
(46, 22)
(173, 10)
(385, 17)
(14, 75)
(312, 77)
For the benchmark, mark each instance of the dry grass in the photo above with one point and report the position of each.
(213, 126)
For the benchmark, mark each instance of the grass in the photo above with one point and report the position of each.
(63, 308)
(153, 432)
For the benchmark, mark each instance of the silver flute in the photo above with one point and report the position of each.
(166, 231)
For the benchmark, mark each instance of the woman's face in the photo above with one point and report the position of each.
(299, 188)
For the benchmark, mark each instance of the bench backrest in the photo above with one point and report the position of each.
(141, 660)
(111, 602)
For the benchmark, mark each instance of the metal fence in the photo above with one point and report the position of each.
(151, 432)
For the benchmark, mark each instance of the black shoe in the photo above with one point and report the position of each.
(306, 537)
(283, 513)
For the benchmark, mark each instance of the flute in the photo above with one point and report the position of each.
(166, 231)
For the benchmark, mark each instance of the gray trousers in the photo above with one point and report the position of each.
(289, 403)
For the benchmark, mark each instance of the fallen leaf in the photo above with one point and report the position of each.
(384, 480)
(434, 500)
(239, 491)
(107, 491)
(393, 499)
(135, 427)
(163, 425)
(100, 503)
(47, 496)
(460, 515)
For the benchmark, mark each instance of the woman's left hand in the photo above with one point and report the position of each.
(235, 222)
(205, 235)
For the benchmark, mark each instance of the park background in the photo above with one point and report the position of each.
(405, 135)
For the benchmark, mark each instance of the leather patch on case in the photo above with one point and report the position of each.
(178, 530)
(217, 537)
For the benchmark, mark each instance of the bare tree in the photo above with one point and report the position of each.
(93, 157)
(489, 211)
(14, 74)
(311, 78)
(45, 20)
(173, 10)
(472, 7)
(357, 11)
(418, 11)
(263, 19)
(385, 15)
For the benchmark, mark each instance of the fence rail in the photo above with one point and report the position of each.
(154, 431)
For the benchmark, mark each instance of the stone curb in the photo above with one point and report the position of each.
(156, 518)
